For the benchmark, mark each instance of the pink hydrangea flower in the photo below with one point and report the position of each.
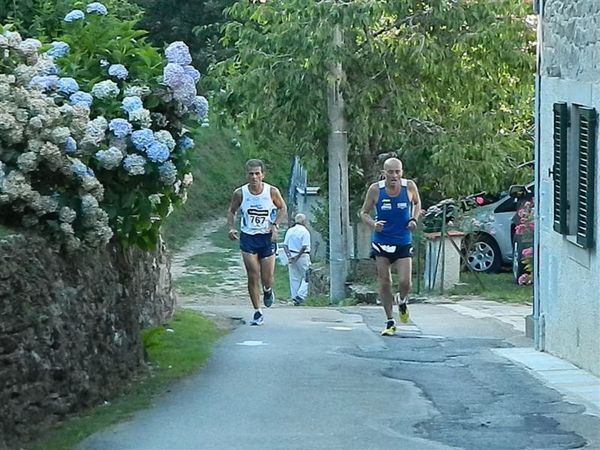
(524, 279)
(527, 252)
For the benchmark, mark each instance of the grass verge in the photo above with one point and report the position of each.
(171, 355)
(497, 287)
(218, 169)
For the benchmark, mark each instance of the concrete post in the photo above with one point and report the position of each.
(338, 181)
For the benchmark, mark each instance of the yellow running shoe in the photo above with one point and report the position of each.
(390, 328)
(403, 311)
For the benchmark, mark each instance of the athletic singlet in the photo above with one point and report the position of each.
(396, 211)
(257, 211)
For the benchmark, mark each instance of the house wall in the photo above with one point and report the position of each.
(569, 276)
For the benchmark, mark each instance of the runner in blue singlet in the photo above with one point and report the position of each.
(397, 207)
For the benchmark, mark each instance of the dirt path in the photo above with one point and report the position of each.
(231, 286)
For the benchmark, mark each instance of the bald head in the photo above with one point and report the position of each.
(392, 164)
(300, 218)
(392, 173)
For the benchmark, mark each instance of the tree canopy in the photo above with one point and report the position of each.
(446, 84)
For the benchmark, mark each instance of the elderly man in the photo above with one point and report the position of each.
(296, 245)
(397, 206)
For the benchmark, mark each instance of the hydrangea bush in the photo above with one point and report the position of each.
(94, 130)
(525, 228)
(42, 184)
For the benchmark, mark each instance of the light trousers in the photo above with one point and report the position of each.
(298, 271)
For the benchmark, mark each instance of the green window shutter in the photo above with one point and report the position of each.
(587, 174)
(561, 124)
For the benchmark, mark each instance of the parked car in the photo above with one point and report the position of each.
(489, 223)
(490, 239)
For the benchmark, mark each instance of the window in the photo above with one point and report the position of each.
(574, 164)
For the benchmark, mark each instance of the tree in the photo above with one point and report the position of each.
(445, 84)
(196, 22)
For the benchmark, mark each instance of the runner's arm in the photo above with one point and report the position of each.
(281, 206)
(368, 205)
(415, 198)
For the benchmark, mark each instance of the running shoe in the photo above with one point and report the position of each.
(390, 328)
(268, 297)
(258, 318)
(403, 311)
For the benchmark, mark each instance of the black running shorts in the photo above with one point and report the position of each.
(391, 252)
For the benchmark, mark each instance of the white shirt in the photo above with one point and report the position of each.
(297, 237)
(257, 211)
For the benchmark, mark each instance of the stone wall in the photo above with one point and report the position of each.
(70, 328)
(571, 39)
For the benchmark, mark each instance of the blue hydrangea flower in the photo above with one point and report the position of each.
(81, 98)
(58, 49)
(157, 152)
(178, 53)
(201, 107)
(186, 92)
(142, 139)
(130, 104)
(88, 204)
(51, 69)
(74, 15)
(109, 159)
(118, 71)
(68, 85)
(186, 143)
(134, 164)
(104, 63)
(96, 7)
(70, 145)
(80, 169)
(173, 75)
(120, 127)
(192, 72)
(167, 173)
(44, 82)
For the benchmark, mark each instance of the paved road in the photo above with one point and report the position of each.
(323, 378)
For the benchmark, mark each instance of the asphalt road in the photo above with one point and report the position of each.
(323, 378)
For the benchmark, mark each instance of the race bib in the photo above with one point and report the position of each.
(257, 218)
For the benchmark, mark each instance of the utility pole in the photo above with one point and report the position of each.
(337, 147)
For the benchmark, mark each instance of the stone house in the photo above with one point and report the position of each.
(567, 279)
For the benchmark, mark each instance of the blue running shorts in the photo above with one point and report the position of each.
(258, 244)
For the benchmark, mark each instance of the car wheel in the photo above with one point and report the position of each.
(483, 254)
(518, 268)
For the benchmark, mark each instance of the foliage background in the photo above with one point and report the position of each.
(445, 85)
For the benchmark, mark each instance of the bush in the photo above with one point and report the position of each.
(98, 131)
(524, 229)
